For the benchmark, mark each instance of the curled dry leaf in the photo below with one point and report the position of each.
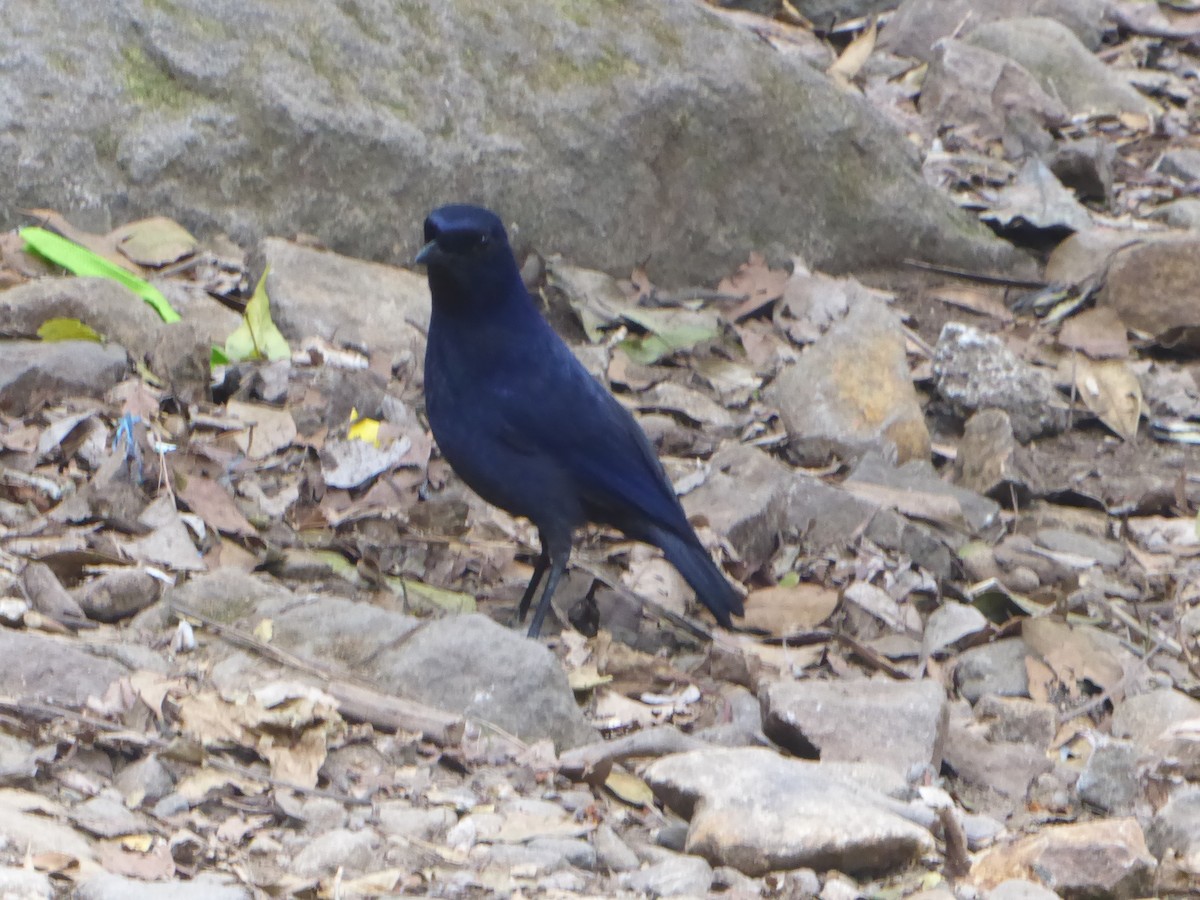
(1110, 390)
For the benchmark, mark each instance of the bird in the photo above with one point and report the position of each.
(527, 427)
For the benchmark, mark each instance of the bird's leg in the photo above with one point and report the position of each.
(558, 565)
(539, 569)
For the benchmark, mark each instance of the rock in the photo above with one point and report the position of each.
(25, 823)
(970, 87)
(612, 853)
(18, 760)
(471, 665)
(1020, 889)
(630, 126)
(1018, 550)
(839, 887)
(1182, 163)
(897, 724)
(1062, 65)
(117, 887)
(918, 24)
(673, 875)
(1176, 830)
(315, 293)
(573, 852)
(354, 851)
(508, 856)
(987, 461)
(106, 817)
(118, 595)
(1086, 167)
(461, 664)
(965, 508)
(1018, 720)
(996, 668)
(402, 818)
(975, 371)
(122, 317)
(1144, 717)
(44, 668)
(1150, 287)
(1002, 768)
(1181, 213)
(1105, 552)
(34, 374)
(1109, 780)
(743, 498)
(851, 392)
(24, 884)
(1036, 206)
(1106, 858)
(758, 812)
(145, 781)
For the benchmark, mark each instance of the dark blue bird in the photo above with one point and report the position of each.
(527, 428)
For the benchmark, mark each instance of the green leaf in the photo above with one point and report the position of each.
(217, 357)
(67, 330)
(645, 349)
(422, 596)
(82, 261)
(257, 337)
(669, 330)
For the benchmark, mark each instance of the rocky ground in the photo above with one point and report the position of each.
(256, 639)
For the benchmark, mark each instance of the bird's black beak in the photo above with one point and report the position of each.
(430, 253)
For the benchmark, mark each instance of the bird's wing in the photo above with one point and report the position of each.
(577, 425)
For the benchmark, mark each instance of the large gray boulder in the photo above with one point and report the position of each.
(609, 133)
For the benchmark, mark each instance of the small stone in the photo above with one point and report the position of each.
(975, 370)
(1104, 858)
(1109, 778)
(612, 853)
(145, 781)
(401, 818)
(839, 887)
(24, 884)
(1105, 552)
(1144, 717)
(354, 851)
(577, 853)
(1019, 889)
(896, 724)
(996, 668)
(1019, 720)
(672, 836)
(671, 876)
(1182, 163)
(117, 887)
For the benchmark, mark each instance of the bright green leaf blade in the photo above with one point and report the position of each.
(217, 357)
(427, 597)
(67, 330)
(257, 337)
(82, 261)
(646, 349)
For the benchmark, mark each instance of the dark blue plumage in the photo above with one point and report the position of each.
(527, 428)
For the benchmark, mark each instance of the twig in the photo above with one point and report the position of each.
(593, 762)
(979, 277)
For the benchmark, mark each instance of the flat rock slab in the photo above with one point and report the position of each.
(752, 809)
(36, 667)
(900, 725)
(36, 373)
(315, 293)
(461, 664)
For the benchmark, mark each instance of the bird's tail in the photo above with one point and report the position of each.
(706, 578)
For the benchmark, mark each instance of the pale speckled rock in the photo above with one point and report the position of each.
(117, 887)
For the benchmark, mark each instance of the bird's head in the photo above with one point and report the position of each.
(465, 245)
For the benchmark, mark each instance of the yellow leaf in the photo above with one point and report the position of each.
(138, 843)
(264, 630)
(363, 429)
(67, 330)
(855, 56)
(629, 788)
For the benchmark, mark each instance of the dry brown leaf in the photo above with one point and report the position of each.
(267, 428)
(757, 282)
(1098, 332)
(212, 503)
(781, 611)
(855, 56)
(1110, 390)
(974, 299)
(1075, 654)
